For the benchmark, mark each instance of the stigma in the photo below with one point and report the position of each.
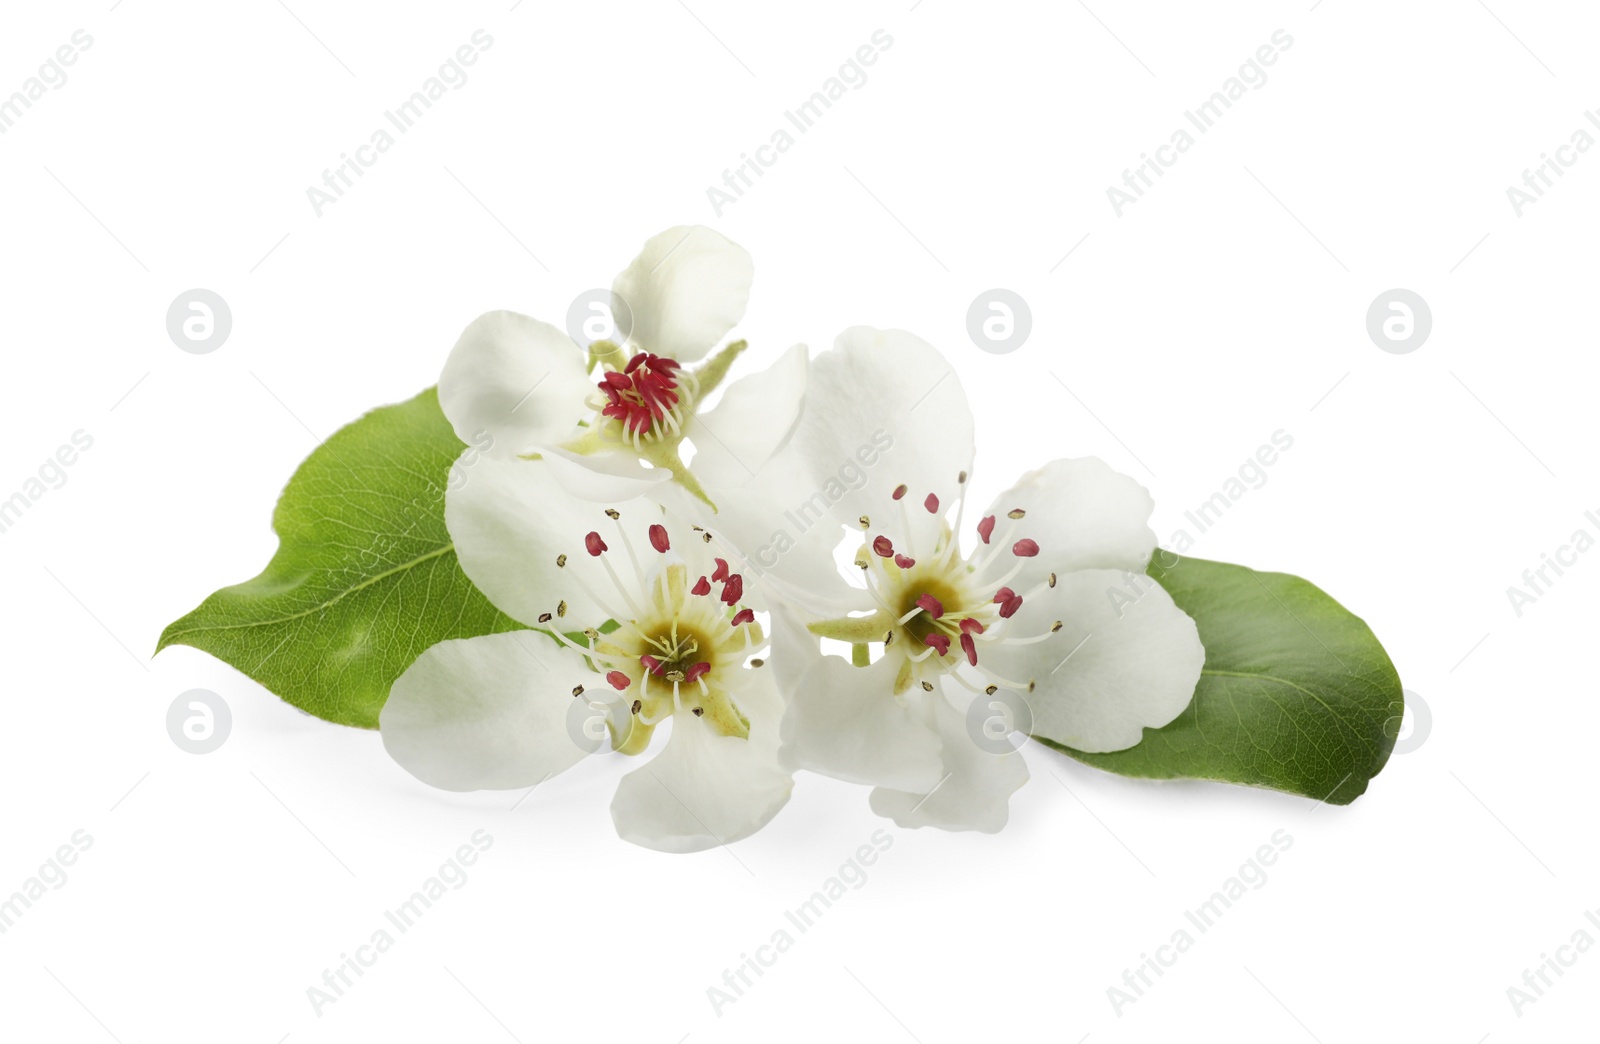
(683, 636)
(939, 610)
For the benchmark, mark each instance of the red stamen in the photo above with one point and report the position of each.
(971, 626)
(1005, 594)
(986, 528)
(1025, 548)
(733, 590)
(658, 539)
(884, 547)
(651, 664)
(642, 393)
(970, 647)
(701, 586)
(931, 605)
(618, 680)
(932, 504)
(938, 641)
(695, 672)
(1009, 610)
(721, 572)
(595, 545)
(743, 616)
(899, 491)
(903, 562)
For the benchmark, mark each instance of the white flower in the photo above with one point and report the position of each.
(518, 387)
(1026, 607)
(510, 710)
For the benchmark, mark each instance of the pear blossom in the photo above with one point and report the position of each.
(944, 606)
(612, 419)
(644, 618)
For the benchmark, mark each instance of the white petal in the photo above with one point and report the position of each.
(845, 721)
(685, 291)
(1082, 514)
(780, 530)
(975, 785)
(884, 408)
(514, 383)
(755, 418)
(486, 713)
(794, 649)
(785, 532)
(511, 521)
(1126, 659)
(706, 789)
(604, 476)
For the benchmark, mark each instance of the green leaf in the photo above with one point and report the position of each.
(365, 576)
(1296, 693)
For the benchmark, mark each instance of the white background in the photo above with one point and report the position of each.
(1228, 303)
